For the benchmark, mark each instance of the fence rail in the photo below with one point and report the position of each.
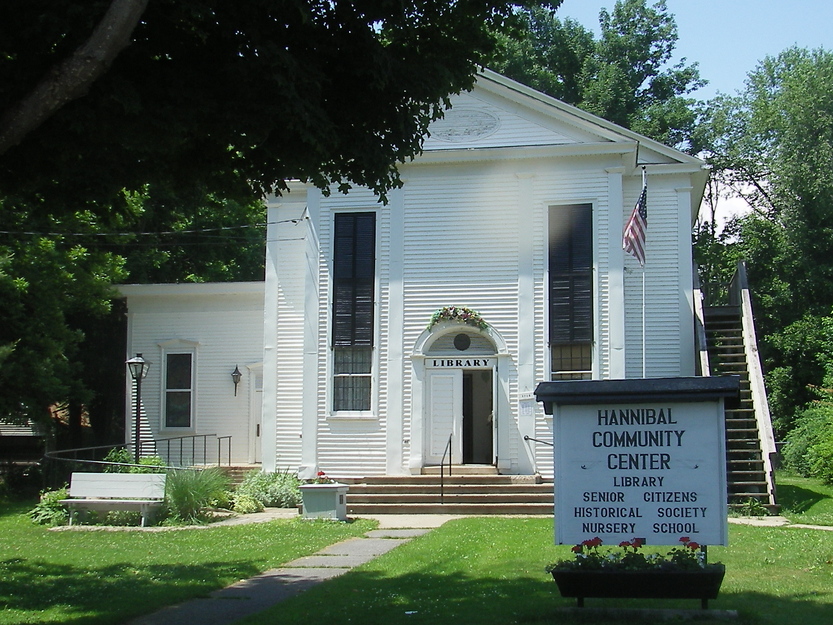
(179, 452)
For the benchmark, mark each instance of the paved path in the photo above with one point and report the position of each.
(265, 590)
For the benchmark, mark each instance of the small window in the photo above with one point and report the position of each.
(572, 361)
(179, 390)
(353, 366)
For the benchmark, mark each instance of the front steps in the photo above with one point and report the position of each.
(468, 490)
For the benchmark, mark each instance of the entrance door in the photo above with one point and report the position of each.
(478, 417)
(460, 404)
(445, 415)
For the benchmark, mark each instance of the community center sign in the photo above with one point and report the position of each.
(642, 458)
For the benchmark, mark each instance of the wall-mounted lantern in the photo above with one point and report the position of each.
(235, 377)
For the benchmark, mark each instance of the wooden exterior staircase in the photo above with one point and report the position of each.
(470, 489)
(731, 349)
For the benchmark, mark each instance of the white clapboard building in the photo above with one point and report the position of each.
(384, 331)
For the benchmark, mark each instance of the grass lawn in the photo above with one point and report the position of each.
(804, 500)
(473, 571)
(99, 577)
(491, 571)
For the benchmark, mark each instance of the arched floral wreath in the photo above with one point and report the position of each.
(460, 314)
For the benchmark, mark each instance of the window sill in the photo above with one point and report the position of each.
(353, 415)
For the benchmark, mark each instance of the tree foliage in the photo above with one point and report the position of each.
(237, 97)
(773, 144)
(624, 76)
(138, 138)
(62, 329)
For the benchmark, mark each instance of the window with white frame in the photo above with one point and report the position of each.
(571, 291)
(179, 389)
(354, 286)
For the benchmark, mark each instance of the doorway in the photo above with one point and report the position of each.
(478, 417)
(460, 406)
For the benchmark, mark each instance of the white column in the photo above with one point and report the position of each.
(312, 373)
(527, 348)
(686, 279)
(270, 340)
(395, 462)
(616, 276)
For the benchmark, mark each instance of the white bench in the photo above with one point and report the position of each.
(142, 492)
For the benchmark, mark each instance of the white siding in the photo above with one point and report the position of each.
(470, 229)
(227, 328)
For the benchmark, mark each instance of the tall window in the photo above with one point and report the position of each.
(571, 291)
(354, 285)
(179, 390)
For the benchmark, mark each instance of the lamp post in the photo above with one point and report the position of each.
(138, 370)
(235, 377)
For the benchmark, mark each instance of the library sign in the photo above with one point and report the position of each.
(641, 458)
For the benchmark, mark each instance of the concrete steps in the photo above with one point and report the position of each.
(460, 493)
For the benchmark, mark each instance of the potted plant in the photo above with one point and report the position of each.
(324, 498)
(681, 573)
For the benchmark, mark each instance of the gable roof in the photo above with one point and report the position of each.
(501, 118)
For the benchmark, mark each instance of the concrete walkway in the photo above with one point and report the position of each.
(267, 589)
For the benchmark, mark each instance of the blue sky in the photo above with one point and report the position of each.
(729, 37)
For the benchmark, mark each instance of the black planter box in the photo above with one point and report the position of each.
(656, 584)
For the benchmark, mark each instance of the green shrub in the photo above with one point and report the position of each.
(246, 504)
(808, 449)
(188, 493)
(118, 454)
(278, 490)
(123, 456)
(150, 465)
(50, 510)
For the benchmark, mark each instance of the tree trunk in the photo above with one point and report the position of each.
(70, 79)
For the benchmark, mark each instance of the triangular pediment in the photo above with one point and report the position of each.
(501, 113)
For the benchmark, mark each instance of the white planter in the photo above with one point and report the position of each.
(324, 501)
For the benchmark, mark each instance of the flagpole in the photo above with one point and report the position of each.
(633, 242)
(645, 257)
(643, 324)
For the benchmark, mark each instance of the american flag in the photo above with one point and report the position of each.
(633, 238)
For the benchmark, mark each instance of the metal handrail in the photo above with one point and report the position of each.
(537, 440)
(193, 438)
(442, 467)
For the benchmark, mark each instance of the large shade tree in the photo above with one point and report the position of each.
(625, 76)
(773, 144)
(235, 96)
(129, 128)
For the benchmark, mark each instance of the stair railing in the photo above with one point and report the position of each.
(447, 452)
(739, 296)
(702, 365)
(189, 454)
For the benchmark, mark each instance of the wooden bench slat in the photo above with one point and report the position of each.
(118, 485)
(142, 492)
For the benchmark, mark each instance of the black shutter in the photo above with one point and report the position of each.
(354, 273)
(571, 274)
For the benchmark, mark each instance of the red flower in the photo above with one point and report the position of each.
(638, 542)
(577, 549)
(684, 539)
(693, 546)
(625, 543)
